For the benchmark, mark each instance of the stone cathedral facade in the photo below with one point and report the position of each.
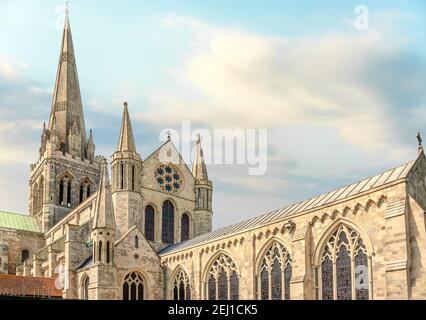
(146, 233)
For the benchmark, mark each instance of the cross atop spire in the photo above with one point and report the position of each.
(199, 169)
(126, 141)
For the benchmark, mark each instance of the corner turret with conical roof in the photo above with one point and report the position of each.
(203, 193)
(126, 178)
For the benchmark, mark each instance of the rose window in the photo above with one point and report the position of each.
(168, 178)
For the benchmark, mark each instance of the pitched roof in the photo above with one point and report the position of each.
(18, 221)
(368, 184)
(199, 169)
(104, 210)
(126, 141)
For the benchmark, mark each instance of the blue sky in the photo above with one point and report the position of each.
(339, 103)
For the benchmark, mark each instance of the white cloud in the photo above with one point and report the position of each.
(11, 68)
(236, 78)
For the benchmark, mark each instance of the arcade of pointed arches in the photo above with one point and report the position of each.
(342, 260)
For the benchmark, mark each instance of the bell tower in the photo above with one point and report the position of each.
(66, 173)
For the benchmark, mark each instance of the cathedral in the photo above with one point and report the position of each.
(146, 234)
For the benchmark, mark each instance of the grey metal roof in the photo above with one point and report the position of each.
(88, 262)
(376, 181)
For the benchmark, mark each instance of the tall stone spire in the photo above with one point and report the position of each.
(199, 169)
(104, 211)
(67, 107)
(126, 141)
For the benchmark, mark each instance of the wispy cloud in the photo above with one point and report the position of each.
(343, 81)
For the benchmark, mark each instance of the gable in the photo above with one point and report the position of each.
(165, 155)
(130, 256)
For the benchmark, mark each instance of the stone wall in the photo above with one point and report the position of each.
(12, 243)
(381, 218)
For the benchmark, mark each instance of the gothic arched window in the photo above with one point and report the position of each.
(223, 279)
(122, 176)
(85, 288)
(344, 261)
(61, 192)
(168, 222)
(100, 251)
(133, 287)
(69, 194)
(149, 223)
(275, 273)
(136, 242)
(184, 227)
(81, 198)
(181, 286)
(107, 252)
(25, 254)
(65, 191)
(85, 191)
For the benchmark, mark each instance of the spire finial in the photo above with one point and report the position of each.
(169, 135)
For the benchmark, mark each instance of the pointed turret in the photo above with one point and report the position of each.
(199, 169)
(126, 178)
(126, 141)
(66, 103)
(203, 193)
(104, 211)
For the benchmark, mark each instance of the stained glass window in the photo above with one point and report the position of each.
(264, 284)
(133, 287)
(361, 274)
(344, 246)
(168, 178)
(343, 275)
(235, 286)
(222, 286)
(223, 278)
(276, 281)
(327, 279)
(168, 222)
(188, 292)
(182, 288)
(275, 267)
(149, 223)
(212, 288)
(288, 273)
(184, 227)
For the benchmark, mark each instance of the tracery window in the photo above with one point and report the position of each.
(223, 279)
(149, 223)
(181, 287)
(184, 227)
(168, 178)
(344, 267)
(168, 224)
(275, 273)
(133, 287)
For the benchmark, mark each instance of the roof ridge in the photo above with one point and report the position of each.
(316, 199)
